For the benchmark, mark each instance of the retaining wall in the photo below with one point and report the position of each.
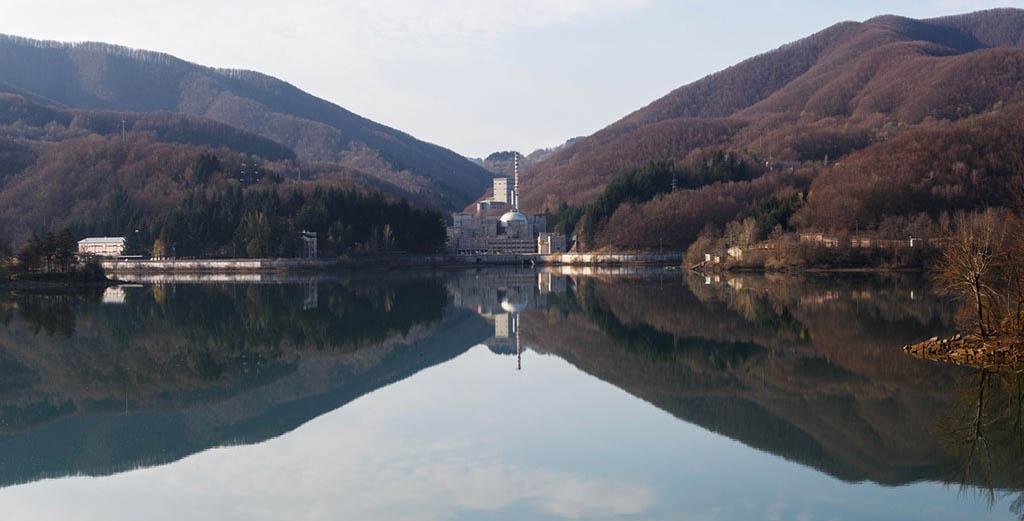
(387, 262)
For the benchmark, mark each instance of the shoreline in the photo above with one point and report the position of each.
(919, 269)
(383, 262)
(994, 355)
(445, 261)
(57, 281)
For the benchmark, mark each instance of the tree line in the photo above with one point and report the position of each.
(53, 254)
(266, 222)
(644, 184)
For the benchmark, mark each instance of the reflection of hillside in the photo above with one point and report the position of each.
(108, 442)
(819, 381)
(171, 341)
(185, 368)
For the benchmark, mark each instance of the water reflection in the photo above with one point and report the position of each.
(808, 369)
(983, 432)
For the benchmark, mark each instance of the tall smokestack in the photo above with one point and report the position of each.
(515, 196)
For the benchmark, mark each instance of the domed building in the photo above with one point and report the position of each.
(513, 217)
(487, 233)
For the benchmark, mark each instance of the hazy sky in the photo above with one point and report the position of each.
(472, 75)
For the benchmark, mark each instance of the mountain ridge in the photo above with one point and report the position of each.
(99, 76)
(850, 70)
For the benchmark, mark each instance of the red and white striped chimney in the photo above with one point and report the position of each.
(515, 195)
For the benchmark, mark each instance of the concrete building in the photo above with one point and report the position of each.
(548, 243)
(502, 191)
(102, 246)
(310, 246)
(488, 206)
(513, 232)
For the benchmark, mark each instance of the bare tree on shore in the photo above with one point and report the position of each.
(974, 266)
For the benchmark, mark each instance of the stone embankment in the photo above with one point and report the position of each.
(386, 262)
(971, 351)
(610, 259)
(213, 265)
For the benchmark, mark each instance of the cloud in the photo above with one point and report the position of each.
(403, 28)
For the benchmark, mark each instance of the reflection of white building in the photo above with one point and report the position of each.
(310, 296)
(113, 295)
(116, 294)
(102, 246)
(513, 232)
(503, 295)
(504, 325)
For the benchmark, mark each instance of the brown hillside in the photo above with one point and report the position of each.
(873, 79)
(96, 76)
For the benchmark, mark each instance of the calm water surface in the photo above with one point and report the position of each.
(499, 394)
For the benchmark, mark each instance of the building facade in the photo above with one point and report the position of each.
(310, 245)
(548, 243)
(102, 246)
(489, 232)
(512, 233)
(502, 191)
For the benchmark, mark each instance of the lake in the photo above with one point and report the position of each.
(499, 394)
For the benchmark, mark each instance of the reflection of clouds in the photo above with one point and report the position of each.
(353, 479)
(397, 456)
(494, 485)
(392, 480)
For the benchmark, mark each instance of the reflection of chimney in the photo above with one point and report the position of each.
(519, 350)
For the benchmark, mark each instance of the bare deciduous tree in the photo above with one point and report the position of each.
(972, 267)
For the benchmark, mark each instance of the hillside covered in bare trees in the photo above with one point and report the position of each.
(101, 77)
(879, 127)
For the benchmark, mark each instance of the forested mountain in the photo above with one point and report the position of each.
(501, 162)
(822, 116)
(100, 77)
(202, 187)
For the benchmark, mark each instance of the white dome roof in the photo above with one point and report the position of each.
(513, 217)
(512, 307)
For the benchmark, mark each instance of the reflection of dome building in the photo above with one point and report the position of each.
(514, 306)
(503, 295)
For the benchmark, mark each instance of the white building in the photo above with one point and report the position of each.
(484, 233)
(502, 190)
(548, 243)
(512, 233)
(310, 248)
(102, 246)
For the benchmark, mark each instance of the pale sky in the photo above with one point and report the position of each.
(472, 75)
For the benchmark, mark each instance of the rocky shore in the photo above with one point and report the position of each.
(969, 351)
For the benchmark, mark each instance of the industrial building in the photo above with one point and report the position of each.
(512, 232)
(102, 246)
(548, 243)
